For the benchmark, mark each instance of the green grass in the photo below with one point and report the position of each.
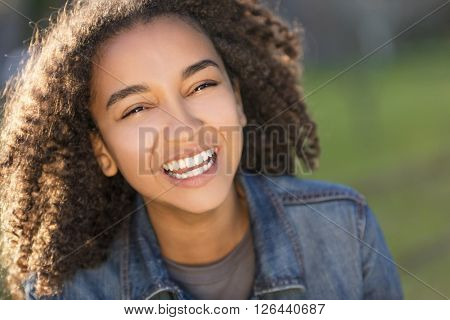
(384, 130)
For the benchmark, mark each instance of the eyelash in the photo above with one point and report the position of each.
(209, 83)
(140, 107)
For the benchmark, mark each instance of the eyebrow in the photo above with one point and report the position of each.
(141, 88)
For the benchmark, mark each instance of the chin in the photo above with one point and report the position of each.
(201, 202)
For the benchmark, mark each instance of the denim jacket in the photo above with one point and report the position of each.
(312, 239)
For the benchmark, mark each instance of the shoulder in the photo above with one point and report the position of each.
(295, 190)
(333, 222)
(323, 206)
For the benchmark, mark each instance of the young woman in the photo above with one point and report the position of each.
(128, 170)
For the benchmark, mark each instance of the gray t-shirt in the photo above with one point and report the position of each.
(229, 278)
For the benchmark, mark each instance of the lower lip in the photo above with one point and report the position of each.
(197, 181)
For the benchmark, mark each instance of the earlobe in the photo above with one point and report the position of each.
(242, 117)
(102, 155)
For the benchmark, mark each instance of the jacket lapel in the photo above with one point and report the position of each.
(278, 267)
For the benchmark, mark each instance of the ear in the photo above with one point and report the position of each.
(104, 158)
(237, 93)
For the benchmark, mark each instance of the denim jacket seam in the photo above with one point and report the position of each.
(294, 239)
(124, 261)
(301, 198)
(361, 220)
(153, 291)
(284, 281)
(274, 289)
(362, 209)
(158, 288)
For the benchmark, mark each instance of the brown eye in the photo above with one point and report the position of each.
(138, 108)
(205, 85)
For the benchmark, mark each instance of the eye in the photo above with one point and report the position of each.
(205, 85)
(137, 109)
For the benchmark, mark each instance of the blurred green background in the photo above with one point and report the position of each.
(384, 125)
(385, 131)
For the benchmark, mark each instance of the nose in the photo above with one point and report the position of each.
(182, 124)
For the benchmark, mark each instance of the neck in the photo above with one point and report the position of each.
(195, 239)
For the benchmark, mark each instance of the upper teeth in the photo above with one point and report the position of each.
(189, 162)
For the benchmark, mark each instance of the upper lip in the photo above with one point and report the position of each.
(189, 152)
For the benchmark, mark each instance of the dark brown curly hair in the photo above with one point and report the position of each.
(54, 199)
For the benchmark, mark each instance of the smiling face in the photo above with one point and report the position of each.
(160, 92)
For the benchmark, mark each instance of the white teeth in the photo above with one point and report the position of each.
(198, 159)
(192, 173)
(181, 164)
(190, 161)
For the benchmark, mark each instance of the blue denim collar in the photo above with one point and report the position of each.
(279, 270)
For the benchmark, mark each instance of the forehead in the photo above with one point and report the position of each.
(167, 43)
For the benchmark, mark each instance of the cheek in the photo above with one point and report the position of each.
(132, 148)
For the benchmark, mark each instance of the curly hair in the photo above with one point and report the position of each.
(56, 206)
